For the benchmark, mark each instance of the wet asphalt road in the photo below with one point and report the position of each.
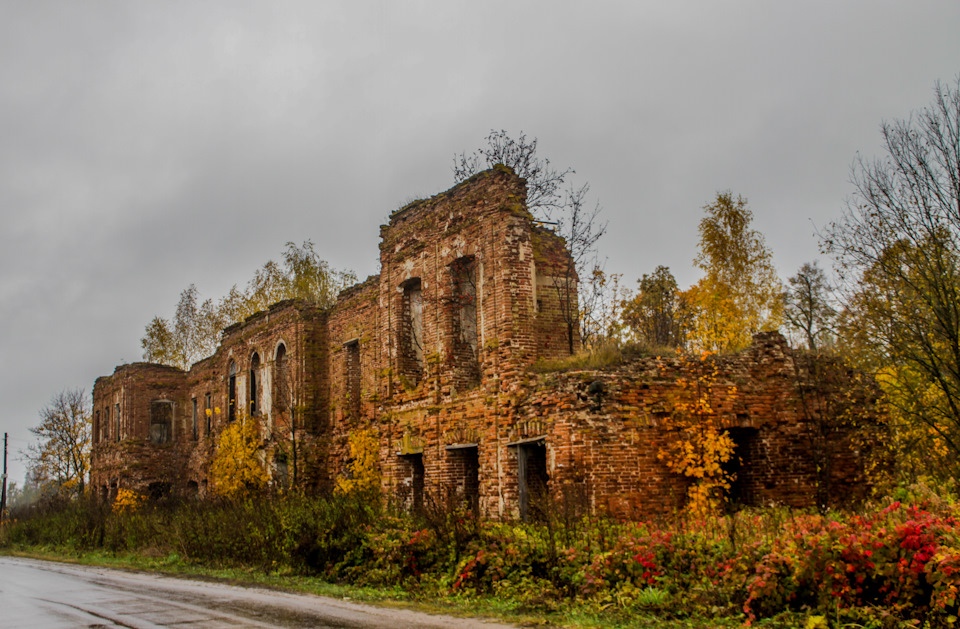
(47, 595)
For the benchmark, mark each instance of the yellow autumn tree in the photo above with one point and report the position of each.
(740, 293)
(194, 331)
(918, 448)
(236, 467)
(363, 473)
(698, 446)
(60, 460)
(128, 501)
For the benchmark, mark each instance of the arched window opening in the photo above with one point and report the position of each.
(281, 391)
(232, 392)
(254, 382)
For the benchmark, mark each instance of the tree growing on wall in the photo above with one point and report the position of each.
(554, 200)
(60, 460)
(545, 183)
(740, 293)
(194, 332)
(898, 249)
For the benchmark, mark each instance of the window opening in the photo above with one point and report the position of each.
(464, 316)
(106, 422)
(465, 293)
(208, 411)
(532, 480)
(158, 490)
(116, 421)
(411, 329)
(745, 486)
(352, 378)
(232, 392)
(96, 427)
(254, 370)
(195, 427)
(465, 463)
(280, 391)
(281, 474)
(161, 421)
(417, 481)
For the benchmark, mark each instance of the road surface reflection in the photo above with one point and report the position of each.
(48, 595)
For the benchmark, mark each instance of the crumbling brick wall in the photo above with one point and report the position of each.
(200, 404)
(437, 353)
(607, 449)
(354, 366)
(123, 446)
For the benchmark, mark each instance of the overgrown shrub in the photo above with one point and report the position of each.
(883, 567)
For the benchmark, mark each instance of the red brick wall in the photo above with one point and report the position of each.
(466, 414)
(135, 462)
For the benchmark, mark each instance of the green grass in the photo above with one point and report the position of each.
(598, 358)
(602, 357)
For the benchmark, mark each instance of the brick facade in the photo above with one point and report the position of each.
(436, 354)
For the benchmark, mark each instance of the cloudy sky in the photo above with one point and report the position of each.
(145, 146)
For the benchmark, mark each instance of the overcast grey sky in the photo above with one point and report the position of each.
(145, 146)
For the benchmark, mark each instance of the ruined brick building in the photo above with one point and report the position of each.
(436, 354)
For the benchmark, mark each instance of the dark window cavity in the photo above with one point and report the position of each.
(196, 429)
(208, 411)
(281, 389)
(352, 379)
(161, 421)
(532, 480)
(254, 383)
(232, 392)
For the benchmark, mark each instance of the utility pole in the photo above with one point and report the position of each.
(3, 494)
